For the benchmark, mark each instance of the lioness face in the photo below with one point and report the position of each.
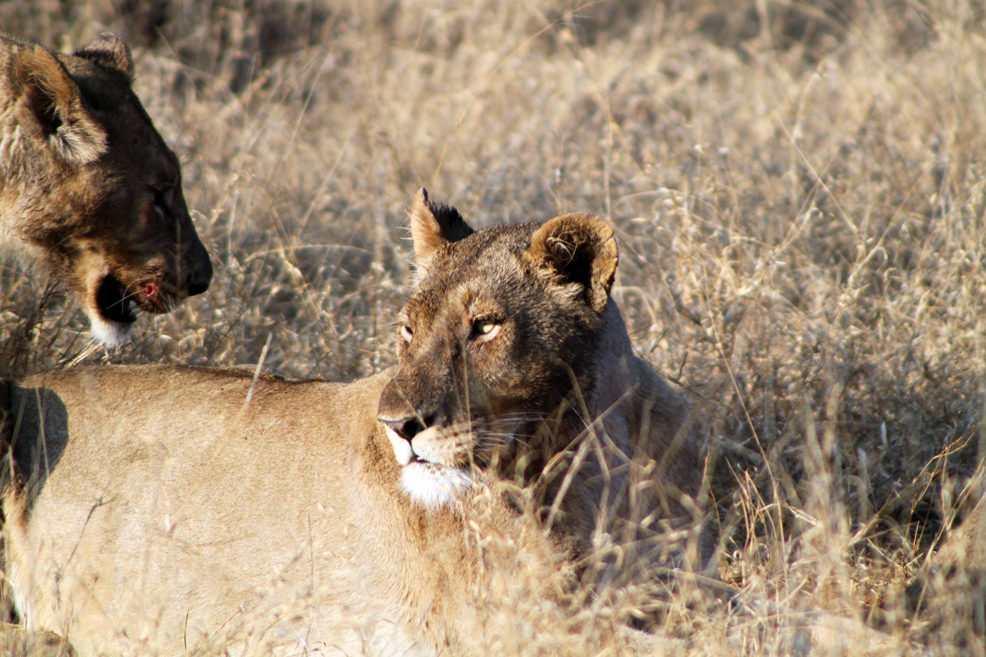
(136, 246)
(111, 221)
(485, 340)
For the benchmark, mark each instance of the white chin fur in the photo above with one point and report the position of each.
(432, 486)
(111, 334)
(402, 448)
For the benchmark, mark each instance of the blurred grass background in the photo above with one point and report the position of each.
(797, 189)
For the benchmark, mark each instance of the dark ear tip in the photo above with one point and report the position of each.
(110, 50)
(437, 209)
(441, 220)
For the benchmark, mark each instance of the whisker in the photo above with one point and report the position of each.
(518, 416)
(126, 295)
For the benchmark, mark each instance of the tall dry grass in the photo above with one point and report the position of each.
(799, 199)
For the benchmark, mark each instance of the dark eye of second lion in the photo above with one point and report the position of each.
(162, 200)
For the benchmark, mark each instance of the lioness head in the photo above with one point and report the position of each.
(500, 326)
(90, 192)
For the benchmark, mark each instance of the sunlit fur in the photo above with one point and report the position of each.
(434, 485)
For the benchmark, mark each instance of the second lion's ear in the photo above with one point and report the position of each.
(433, 227)
(110, 51)
(578, 250)
(54, 107)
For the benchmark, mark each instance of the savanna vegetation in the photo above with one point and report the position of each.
(799, 196)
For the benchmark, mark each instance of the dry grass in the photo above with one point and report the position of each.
(798, 194)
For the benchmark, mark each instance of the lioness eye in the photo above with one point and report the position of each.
(486, 329)
(407, 332)
(162, 201)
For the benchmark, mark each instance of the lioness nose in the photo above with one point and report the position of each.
(200, 277)
(195, 288)
(407, 428)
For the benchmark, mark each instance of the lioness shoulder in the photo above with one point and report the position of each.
(89, 192)
(180, 508)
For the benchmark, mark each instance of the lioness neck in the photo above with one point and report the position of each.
(624, 381)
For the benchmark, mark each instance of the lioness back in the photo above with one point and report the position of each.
(89, 192)
(173, 510)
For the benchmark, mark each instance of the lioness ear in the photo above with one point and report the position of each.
(578, 249)
(54, 102)
(110, 51)
(433, 227)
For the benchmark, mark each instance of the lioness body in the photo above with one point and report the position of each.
(217, 515)
(89, 192)
(173, 504)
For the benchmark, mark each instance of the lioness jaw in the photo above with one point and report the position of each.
(155, 502)
(89, 192)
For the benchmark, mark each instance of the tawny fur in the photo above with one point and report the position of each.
(89, 192)
(154, 504)
(949, 594)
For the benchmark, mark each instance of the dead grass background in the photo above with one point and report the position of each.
(798, 193)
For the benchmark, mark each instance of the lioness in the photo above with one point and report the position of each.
(156, 508)
(89, 192)
(949, 594)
